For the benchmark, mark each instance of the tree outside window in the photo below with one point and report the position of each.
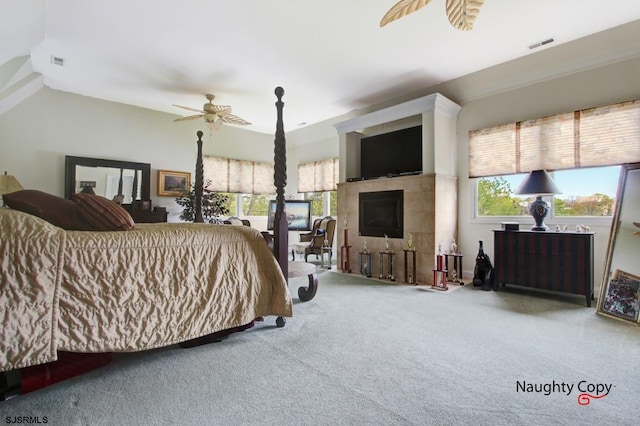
(586, 192)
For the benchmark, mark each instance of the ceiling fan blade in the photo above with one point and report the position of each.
(234, 119)
(463, 13)
(188, 108)
(190, 117)
(402, 8)
(222, 108)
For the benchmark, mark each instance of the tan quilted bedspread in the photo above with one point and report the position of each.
(156, 285)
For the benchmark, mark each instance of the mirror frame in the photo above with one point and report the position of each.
(70, 163)
(615, 228)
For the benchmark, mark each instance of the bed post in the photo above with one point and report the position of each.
(280, 226)
(199, 181)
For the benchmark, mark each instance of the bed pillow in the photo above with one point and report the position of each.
(103, 214)
(55, 210)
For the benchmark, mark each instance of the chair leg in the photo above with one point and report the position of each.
(293, 255)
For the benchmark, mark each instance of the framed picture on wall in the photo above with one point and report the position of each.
(622, 296)
(172, 183)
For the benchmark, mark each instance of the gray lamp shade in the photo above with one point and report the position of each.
(538, 182)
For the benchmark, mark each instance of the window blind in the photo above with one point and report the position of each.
(318, 176)
(600, 136)
(238, 176)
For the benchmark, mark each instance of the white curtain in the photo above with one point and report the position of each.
(601, 136)
(318, 176)
(238, 176)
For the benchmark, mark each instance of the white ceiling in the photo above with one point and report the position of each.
(330, 56)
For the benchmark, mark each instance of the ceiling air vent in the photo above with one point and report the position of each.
(56, 60)
(541, 43)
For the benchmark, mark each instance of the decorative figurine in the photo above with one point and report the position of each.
(410, 242)
(346, 221)
(386, 243)
(454, 246)
(365, 249)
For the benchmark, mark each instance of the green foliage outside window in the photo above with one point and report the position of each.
(495, 198)
(255, 204)
(317, 202)
(251, 204)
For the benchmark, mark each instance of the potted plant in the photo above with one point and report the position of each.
(213, 204)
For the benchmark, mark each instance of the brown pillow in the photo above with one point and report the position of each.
(55, 210)
(103, 214)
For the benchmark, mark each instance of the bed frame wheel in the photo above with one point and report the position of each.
(280, 322)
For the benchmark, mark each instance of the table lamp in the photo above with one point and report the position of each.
(538, 183)
(8, 184)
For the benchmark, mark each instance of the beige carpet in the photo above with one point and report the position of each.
(368, 353)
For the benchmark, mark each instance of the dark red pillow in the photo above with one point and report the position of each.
(102, 213)
(55, 210)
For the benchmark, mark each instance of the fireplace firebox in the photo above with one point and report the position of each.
(381, 213)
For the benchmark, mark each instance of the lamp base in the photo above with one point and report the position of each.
(539, 209)
(540, 228)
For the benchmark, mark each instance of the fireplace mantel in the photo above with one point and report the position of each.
(434, 102)
(438, 116)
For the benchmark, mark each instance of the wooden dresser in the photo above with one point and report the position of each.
(556, 261)
(148, 216)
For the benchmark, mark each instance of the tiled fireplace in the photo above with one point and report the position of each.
(429, 199)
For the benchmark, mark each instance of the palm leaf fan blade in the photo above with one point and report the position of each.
(401, 9)
(188, 108)
(222, 108)
(233, 119)
(191, 117)
(463, 13)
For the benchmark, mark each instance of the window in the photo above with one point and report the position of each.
(594, 137)
(238, 176)
(243, 205)
(318, 181)
(318, 176)
(323, 203)
(585, 192)
(582, 149)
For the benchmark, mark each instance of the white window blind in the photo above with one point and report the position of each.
(318, 176)
(238, 176)
(601, 136)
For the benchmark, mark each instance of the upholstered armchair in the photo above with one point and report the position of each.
(233, 220)
(312, 242)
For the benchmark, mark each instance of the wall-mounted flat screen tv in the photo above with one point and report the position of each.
(298, 214)
(391, 154)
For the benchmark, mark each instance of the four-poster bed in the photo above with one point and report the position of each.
(280, 238)
(157, 284)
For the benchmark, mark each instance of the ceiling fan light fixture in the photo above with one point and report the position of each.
(210, 117)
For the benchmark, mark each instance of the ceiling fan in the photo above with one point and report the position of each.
(461, 13)
(214, 115)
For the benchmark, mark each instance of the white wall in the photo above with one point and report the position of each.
(609, 84)
(36, 135)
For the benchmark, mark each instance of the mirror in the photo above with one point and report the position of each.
(620, 289)
(108, 178)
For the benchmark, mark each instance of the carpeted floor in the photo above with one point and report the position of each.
(369, 353)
